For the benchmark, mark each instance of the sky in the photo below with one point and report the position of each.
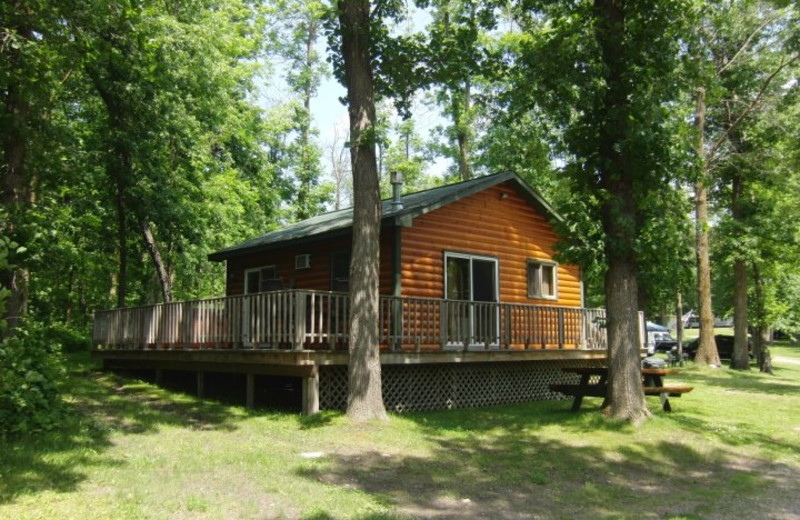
(330, 115)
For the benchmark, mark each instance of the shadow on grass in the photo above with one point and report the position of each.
(318, 420)
(740, 381)
(504, 462)
(505, 473)
(98, 405)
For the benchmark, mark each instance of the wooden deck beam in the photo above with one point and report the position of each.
(304, 363)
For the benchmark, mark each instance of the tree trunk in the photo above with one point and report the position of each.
(707, 349)
(119, 167)
(625, 394)
(760, 347)
(306, 171)
(463, 124)
(122, 232)
(740, 360)
(15, 190)
(152, 248)
(679, 326)
(364, 397)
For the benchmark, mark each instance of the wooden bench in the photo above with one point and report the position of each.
(573, 390)
(652, 384)
(673, 391)
(665, 392)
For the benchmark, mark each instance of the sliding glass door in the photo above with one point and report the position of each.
(470, 280)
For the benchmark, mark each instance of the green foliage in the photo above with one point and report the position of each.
(155, 102)
(293, 40)
(559, 80)
(31, 369)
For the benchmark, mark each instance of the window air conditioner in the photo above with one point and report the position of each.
(302, 261)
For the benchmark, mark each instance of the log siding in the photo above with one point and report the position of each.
(318, 276)
(496, 222)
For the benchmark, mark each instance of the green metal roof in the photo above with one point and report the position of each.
(414, 204)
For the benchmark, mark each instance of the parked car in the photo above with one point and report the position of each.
(692, 323)
(658, 338)
(724, 347)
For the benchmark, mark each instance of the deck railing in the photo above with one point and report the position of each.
(301, 319)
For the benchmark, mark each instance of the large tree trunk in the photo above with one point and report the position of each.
(15, 189)
(740, 360)
(625, 394)
(364, 397)
(707, 349)
(760, 347)
(155, 254)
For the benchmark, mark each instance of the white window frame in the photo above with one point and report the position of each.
(260, 278)
(470, 257)
(531, 286)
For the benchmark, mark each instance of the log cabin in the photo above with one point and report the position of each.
(475, 308)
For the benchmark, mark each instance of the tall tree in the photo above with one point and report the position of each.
(607, 99)
(744, 48)
(32, 67)
(707, 348)
(454, 57)
(299, 29)
(15, 187)
(364, 399)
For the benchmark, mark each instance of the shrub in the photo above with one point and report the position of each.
(70, 339)
(31, 370)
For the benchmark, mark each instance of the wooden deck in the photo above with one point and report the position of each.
(319, 320)
(300, 333)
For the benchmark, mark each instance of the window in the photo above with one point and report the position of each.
(261, 279)
(542, 281)
(340, 271)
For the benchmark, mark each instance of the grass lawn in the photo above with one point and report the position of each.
(730, 449)
(690, 334)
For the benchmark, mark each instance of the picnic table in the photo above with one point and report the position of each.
(652, 384)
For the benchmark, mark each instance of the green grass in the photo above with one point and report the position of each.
(130, 450)
(690, 334)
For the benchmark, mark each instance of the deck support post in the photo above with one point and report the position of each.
(201, 384)
(311, 393)
(250, 392)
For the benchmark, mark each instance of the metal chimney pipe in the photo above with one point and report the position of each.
(396, 178)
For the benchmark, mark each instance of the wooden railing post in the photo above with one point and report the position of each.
(299, 310)
(397, 323)
(507, 311)
(560, 327)
(442, 323)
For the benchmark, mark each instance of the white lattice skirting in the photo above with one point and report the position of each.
(411, 388)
